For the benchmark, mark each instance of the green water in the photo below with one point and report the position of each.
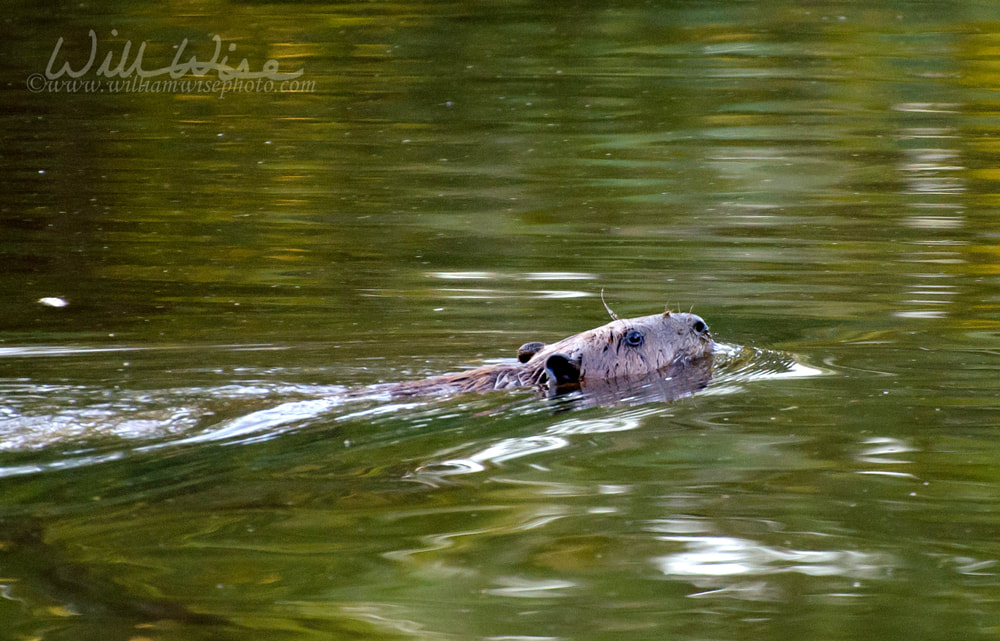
(179, 458)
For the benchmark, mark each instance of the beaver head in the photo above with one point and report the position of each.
(630, 348)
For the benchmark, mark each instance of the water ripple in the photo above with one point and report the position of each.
(522, 588)
(726, 556)
(738, 364)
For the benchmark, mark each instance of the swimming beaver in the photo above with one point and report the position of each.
(623, 351)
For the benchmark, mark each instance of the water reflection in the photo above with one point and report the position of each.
(515, 448)
(495, 293)
(664, 386)
(884, 450)
(933, 173)
(522, 588)
(737, 364)
(64, 464)
(738, 567)
(530, 276)
(719, 556)
(635, 147)
(728, 370)
(92, 424)
(26, 424)
(261, 425)
(385, 617)
(36, 416)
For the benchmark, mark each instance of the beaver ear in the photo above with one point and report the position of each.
(526, 351)
(564, 374)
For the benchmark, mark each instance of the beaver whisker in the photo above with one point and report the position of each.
(614, 316)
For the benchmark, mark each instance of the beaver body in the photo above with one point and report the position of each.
(624, 350)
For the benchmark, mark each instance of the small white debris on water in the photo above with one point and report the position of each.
(52, 301)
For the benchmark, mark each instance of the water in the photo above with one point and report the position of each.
(179, 454)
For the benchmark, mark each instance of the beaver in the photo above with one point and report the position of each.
(624, 351)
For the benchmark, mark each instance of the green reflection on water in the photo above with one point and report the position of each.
(817, 179)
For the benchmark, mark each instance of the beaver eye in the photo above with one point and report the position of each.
(634, 338)
(699, 327)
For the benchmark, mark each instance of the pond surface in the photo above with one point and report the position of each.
(194, 285)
